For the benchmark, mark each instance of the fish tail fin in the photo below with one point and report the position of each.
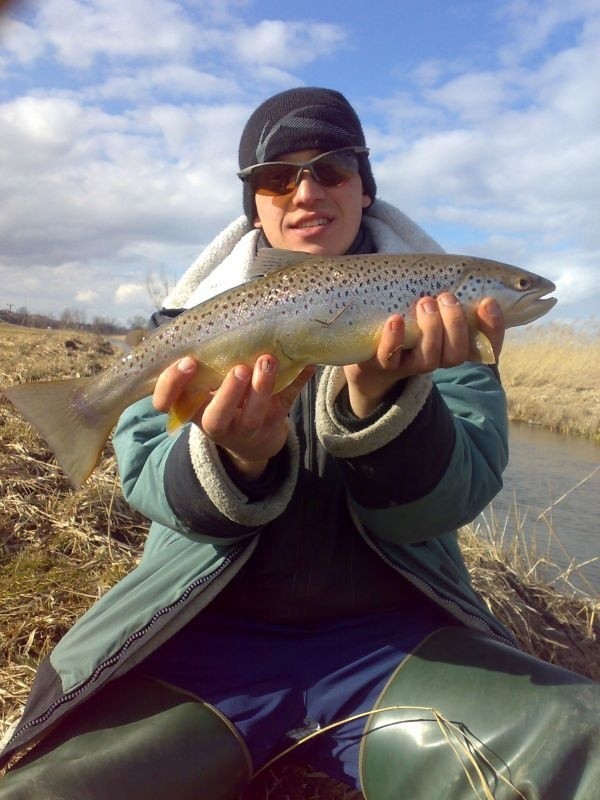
(73, 428)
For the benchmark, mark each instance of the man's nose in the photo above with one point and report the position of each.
(308, 188)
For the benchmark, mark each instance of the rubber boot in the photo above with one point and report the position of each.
(136, 738)
(474, 718)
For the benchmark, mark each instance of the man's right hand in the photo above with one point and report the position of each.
(243, 416)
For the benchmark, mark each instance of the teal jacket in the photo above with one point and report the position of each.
(427, 463)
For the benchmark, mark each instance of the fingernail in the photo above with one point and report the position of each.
(186, 364)
(267, 365)
(448, 300)
(429, 306)
(241, 372)
(396, 324)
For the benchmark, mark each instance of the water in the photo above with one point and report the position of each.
(543, 467)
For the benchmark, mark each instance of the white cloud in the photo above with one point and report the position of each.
(86, 296)
(127, 292)
(23, 41)
(516, 155)
(279, 43)
(118, 143)
(172, 80)
(80, 32)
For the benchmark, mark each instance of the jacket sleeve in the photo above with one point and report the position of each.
(181, 482)
(429, 463)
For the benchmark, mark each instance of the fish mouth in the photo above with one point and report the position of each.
(533, 305)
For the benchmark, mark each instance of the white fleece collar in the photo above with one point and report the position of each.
(226, 261)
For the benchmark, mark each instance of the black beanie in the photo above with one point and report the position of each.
(306, 118)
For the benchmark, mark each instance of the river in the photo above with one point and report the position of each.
(551, 496)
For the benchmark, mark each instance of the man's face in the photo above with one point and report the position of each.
(314, 218)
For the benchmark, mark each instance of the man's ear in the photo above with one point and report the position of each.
(366, 201)
(257, 223)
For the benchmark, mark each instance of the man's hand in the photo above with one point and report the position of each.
(242, 416)
(443, 342)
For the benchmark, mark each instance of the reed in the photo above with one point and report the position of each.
(551, 374)
(61, 549)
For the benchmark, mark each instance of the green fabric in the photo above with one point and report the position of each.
(181, 570)
(535, 725)
(137, 738)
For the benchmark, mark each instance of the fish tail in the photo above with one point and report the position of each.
(74, 428)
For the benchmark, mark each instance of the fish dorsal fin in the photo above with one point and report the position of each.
(270, 259)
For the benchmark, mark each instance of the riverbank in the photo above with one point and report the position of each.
(60, 549)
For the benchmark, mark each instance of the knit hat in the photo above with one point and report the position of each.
(302, 119)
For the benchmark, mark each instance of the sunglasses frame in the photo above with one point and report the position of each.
(245, 175)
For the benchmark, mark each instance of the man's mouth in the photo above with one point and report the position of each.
(313, 223)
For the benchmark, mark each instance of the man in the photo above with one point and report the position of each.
(302, 572)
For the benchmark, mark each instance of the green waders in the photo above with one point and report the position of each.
(473, 718)
(137, 739)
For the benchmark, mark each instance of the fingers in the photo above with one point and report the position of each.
(172, 382)
(389, 350)
(241, 401)
(490, 320)
(444, 334)
(455, 331)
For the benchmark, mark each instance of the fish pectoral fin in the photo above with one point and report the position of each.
(480, 347)
(196, 393)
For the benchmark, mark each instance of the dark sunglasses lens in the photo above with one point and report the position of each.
(280, 179)
(273, 179)
(333, 171)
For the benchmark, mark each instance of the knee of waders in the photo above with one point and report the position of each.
(466, 716)
(137, 737)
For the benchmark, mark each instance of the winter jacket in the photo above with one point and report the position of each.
(427, 463)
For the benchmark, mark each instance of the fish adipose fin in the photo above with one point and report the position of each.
(73, 429)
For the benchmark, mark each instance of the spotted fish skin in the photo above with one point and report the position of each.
(302, 309)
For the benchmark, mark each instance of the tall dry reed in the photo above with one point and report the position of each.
(551, 374)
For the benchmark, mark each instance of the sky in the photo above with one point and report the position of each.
(120, 122)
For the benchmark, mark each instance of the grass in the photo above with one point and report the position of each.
(61, 549)
(552, 377)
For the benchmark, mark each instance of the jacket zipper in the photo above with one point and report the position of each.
(73, 695)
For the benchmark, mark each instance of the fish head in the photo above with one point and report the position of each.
(520, 294)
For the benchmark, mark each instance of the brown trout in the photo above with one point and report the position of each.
(300, 308)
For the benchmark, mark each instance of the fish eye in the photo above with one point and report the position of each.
(522, 283)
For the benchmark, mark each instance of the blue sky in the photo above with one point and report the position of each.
(119, 126)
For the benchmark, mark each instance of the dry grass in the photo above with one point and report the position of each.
(552, 376)
(60, 549)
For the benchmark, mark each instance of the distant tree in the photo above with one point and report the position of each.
(158, 286)
(105, 325)
(136, 322)
(22, 316)
(73, 318)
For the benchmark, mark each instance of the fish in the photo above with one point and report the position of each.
(301, 308)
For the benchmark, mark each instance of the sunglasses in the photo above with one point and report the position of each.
(281, 177)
